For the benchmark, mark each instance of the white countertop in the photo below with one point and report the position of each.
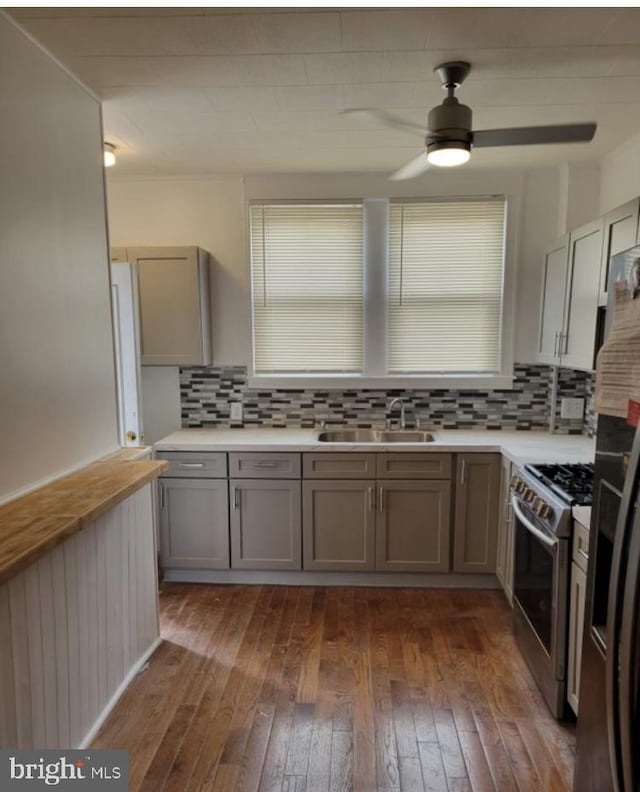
(520, 447)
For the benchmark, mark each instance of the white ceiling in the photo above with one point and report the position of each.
(199, 90)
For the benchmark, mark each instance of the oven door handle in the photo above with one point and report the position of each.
(547, 540)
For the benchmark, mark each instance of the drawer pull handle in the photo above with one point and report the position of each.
(191, 464)
(583, 554)
(462, 471)
(236, 499)
(269, 465)
(381, 499)
(372, 504)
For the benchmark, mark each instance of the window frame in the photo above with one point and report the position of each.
(375, 274)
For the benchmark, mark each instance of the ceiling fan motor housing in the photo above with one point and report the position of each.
(450, 122)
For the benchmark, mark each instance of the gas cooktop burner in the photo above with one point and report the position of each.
(573, 482)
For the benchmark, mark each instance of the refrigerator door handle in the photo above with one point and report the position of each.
(614, 615)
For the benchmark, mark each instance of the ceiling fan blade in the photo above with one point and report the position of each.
(412, 169)
(388, 119)
(526, 136)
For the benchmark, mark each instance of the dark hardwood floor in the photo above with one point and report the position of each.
(281, 688)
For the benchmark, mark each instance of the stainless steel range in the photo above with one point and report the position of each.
(542, 497)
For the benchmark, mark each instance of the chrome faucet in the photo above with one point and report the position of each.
(390, 409)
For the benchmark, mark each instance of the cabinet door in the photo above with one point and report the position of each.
(476, 513)
(553, 291)
(265, 524)
(620, 233)
(583, 288)
(174, 305)
(412, 526)
(194, 523)
(576, 621)
(338, 524)
(501, 549)
(504, 554)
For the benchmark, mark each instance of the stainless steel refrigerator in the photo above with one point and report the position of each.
(608, 731)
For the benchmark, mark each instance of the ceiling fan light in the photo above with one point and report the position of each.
(448, 154)
(109, 153)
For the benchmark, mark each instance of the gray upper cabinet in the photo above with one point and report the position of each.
(582, 295)
(194, 523)
(174, 304)
(571, 286)
(265, 524)
(476, 513)
(620, 233)
(554, 281)
(338, 524)
(412, 527)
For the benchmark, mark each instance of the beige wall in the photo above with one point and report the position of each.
(210, 212)
(204, 212)
(57, 381)
(620, 175)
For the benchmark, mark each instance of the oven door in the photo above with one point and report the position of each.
(541, 585)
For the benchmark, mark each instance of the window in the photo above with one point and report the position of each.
(307, 287)
(445, 286)
(380, 293)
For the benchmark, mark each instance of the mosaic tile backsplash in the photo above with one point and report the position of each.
(206, 393)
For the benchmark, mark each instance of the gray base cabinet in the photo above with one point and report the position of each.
(504, 555)
(338, 525)
(265, 524)
(412, 526)
(194, 523)
(476, 513)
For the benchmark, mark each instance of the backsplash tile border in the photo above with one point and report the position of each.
(207, 391)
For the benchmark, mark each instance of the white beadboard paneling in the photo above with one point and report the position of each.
(33, 624)
(74, 638)
(8, 733)
(101, 606)
(44, 569)
(20, 645)
(84, 626)
(74, 628)
(92, 639)
(62, 644)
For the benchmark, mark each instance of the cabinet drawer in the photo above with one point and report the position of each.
(339, 466)
(257, 465)
(194, 464)
(404, 465)
(580, 545)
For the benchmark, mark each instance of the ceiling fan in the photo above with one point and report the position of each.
(449, 137)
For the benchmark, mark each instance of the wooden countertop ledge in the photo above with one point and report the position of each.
(33, 524)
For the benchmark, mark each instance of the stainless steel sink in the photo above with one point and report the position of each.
(375, 436)
(406, 436)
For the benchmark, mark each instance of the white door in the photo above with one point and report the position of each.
(124, 285)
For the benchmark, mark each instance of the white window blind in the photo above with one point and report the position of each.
(445, 286)
(307, 284)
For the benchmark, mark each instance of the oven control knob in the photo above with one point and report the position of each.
(515, 482)
(545, 511)
(539, 506)
(530, 496)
